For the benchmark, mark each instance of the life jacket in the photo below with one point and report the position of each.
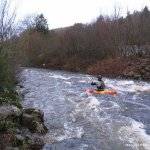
(100, 85)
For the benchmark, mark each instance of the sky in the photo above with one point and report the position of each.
(62, 13)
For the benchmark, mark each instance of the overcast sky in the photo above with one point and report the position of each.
(61, 13)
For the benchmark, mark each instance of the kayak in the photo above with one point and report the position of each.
(111, 92)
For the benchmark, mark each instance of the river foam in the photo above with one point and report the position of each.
(80, 120)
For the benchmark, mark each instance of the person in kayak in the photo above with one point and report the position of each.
(100, 84)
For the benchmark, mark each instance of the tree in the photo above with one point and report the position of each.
(41, 24)
(6, 22)
(7, 62)
(34, 23)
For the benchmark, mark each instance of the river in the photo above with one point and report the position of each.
(77, 120)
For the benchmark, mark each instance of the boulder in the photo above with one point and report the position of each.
(9, 112)
(37, 113)
(27, 120)
(33, 119)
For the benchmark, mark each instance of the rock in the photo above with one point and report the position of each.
(14, 130)
(136, 76)
(27, 120)
(147, 68)
(9, 112)
(38, 127)
(33, 119)
(37, 113)
(5, 140)
(143, 71)
(131, 73)
(19, 139)
(37, 143)
(11, 148)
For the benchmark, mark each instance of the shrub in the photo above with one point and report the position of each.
(4, 125)
(108, 67)
(7, 76)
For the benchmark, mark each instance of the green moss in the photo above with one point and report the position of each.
(10, 101)
(21, 142)
(24, 144)
(4, 125)
(10, 96)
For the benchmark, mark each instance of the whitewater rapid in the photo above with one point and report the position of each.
(77, 120)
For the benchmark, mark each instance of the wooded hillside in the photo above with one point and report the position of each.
(81, 46)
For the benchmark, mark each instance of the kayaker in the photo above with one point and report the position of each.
(100, 83)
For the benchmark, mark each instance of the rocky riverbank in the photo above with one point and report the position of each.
(128, 68)
(21, 129)
(138, 69)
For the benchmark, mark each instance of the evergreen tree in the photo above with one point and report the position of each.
(41, 24)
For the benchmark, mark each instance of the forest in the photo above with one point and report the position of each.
(103, 46)
(92, 48)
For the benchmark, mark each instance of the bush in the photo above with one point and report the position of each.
(4, 125)
(7, 76)
(8, 95)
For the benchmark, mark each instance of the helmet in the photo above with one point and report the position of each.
(99, 77)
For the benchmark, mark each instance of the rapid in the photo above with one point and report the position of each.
(77, 120)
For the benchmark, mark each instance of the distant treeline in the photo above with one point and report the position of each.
(107, 37)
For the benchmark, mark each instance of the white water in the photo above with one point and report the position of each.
(81, 121)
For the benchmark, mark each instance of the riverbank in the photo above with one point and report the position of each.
(20, 129)
(128, 68)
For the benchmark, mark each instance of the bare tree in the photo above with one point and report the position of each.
(7, 20)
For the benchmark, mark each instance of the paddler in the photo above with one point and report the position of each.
(100, 83)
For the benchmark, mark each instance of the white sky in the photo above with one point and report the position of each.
(61, 13)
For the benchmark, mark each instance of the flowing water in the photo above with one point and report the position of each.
(77, 120)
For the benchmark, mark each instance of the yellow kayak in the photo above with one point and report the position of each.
(111, 92)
